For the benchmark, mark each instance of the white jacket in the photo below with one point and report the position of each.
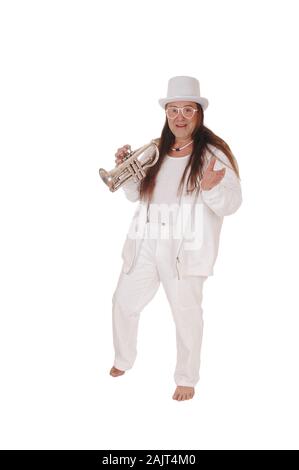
(223, 199)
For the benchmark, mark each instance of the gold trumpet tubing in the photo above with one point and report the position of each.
(125, 175)
(137, 170)
(131, 172)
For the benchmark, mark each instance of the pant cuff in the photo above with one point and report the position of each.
(121, 365)
(185, 383)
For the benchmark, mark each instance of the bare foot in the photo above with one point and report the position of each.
(183, 393)
(116, 372)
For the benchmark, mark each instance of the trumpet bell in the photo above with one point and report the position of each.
(105, 177)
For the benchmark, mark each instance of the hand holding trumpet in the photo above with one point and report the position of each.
(121, 153)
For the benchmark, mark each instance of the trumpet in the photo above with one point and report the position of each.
(133, 166)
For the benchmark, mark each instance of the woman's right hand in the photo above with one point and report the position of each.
(211, 177)
(121, 153)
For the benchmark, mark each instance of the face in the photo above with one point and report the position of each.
(180, 126)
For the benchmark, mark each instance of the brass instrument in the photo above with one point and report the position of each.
(133, 166)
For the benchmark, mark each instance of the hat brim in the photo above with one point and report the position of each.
(202, 101)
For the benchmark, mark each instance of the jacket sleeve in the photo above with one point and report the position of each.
(131, 190)
(226, 197)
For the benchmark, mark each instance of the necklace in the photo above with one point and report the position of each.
(181, 148)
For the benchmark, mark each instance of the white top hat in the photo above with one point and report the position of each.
(183, 89)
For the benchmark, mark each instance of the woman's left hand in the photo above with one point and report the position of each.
(211, 177)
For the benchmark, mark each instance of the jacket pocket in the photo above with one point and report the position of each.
(196, 262)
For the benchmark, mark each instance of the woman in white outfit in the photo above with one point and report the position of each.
(174, 234)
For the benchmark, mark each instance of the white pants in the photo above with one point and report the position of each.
(136, 289)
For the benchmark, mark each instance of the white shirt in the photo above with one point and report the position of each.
(165, 201)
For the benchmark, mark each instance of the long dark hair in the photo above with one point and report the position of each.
(202, 136)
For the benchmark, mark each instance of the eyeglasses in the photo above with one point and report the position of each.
(173, 111)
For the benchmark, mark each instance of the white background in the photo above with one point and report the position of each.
(78, 80)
